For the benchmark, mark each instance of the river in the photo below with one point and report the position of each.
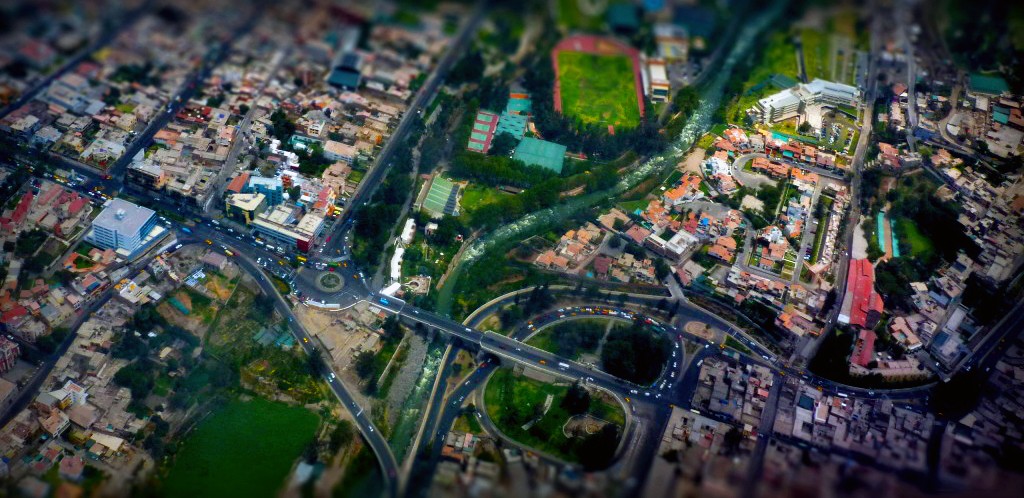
(698, 124)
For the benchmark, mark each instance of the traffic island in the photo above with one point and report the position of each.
(329, 282)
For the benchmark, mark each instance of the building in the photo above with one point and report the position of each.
(337, 151)
(146, 174)
(271, 187)
(9, 353)
(536, 152)
(347, 72)
(124, 227)
(790, 102)
(862, 306)
(289, 227)
(442, 198)
(659, 88)
(245, 207)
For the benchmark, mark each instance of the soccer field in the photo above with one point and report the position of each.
(598, 89)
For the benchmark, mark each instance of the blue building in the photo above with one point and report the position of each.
(272, 188)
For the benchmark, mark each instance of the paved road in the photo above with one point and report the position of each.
(379, 169)
(371, 435)
(241, 135)
(31, 389)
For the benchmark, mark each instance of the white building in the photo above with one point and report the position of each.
(790, 102)
(124, 227)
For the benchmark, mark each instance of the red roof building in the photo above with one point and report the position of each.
(238, 183)
(862, 306)
(864, 348)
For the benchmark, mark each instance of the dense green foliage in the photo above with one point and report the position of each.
(635, 353)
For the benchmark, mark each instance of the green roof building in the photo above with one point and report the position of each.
(987, 85)
(548, 155)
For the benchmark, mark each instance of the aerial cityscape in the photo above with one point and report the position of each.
(485, 248)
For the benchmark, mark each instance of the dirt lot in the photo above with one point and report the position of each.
(342, 333)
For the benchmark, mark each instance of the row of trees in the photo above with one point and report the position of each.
(376, 220)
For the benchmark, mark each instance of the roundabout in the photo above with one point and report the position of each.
(329, 282)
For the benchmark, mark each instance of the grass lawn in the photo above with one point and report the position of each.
(779, 58)
(468, 423)
(920, 245)
(816, 49)
(819, 237)
(476, 196)
(506, 392)
(598, 89)
(630, 206)
(244, 449)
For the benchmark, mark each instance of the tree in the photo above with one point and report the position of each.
(615, 242)
(576, 400)
(661, 269)
(392, 329)
(469, 68)
(954, 399)
(341, 436)
(243, 109)
(597, 450)
(502, 144)
(364, 362)
(804, 128)
(635, 353)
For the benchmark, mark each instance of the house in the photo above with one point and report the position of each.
(214, 260)
(71, 468)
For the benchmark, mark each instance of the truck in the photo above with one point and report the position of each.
(186, 229)
(384, 301)
(563, 365)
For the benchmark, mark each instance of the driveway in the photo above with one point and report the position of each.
(751, 180)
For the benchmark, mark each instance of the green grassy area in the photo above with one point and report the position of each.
(630, 206)
(512, 400)
(779, 58)
(476, 196)
(571, 339)
(816, 54)
(731, 342)
(467, 423)
(243, 449)
(598, 89)
(570, 16)
(819, 236)
(920, 245)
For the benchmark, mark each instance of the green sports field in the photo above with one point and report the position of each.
(243, 449)
(598, 89)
